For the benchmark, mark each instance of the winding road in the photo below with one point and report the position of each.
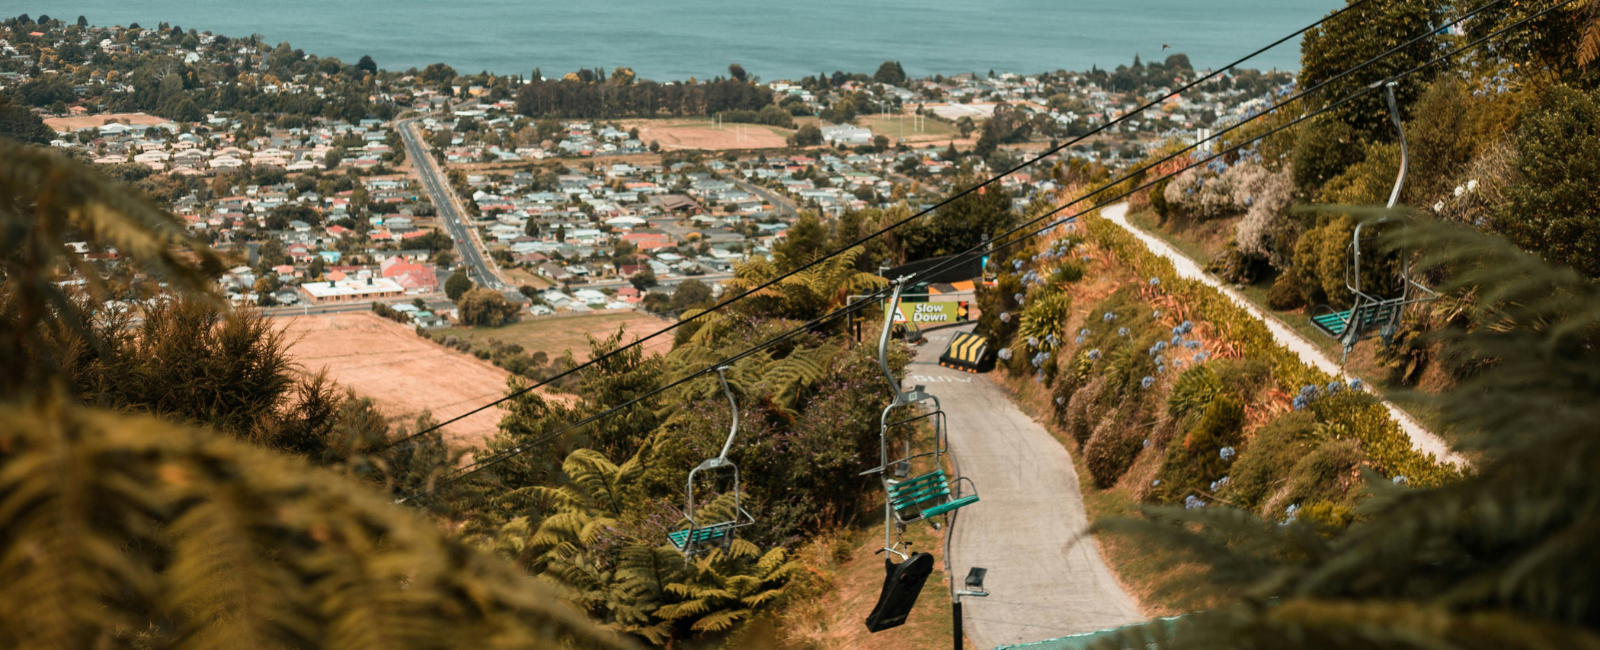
(1046, 577)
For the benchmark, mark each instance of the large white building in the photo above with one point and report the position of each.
(354, 289)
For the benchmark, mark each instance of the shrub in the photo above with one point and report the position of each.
(1266, 231)
(1286, 292)
(1554, 207)
(1110, 450)
(1362, 418)
(1196, 461)
(1324, 148)
(1329, 474)
(1270, 455)
(1083, 410)
(1193, 391)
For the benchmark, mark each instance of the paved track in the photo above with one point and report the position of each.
(1046, 579)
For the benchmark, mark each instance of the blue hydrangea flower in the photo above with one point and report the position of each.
(1147, 382)
(1192, 345)
(1005, 317)
(1177, 331)
(1334, 387)
(1291, 512)
(1033, 342)
(1219, 483)
(1122, 331)
(1177, 340)
(1052, 340)
(1161, 370)
(1016, 265)
(1094, 355)
(1161, 345)
(1199, 357)
(1156, 482)
(1187, 327)
(1060, 401)
(1004, 354)
(1300, 402)
(1355, 384)
(1192, 502)
(1108, 317)
(1155, 281)
(1308, 391)
(1147, 443)
(1083, 332)
(1227, 453)
(1401, 480)
(1018, 298)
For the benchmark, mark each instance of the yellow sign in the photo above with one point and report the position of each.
(931, 313)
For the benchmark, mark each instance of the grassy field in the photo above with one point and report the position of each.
(891, 126)
(703, 134)
(554, 336)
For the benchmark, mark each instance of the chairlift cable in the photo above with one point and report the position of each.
(853, 307)
(864, 239)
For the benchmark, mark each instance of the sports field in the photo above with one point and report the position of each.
(703, 134)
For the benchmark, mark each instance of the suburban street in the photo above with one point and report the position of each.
(780, 203)
(1046, 576)
(468, 248)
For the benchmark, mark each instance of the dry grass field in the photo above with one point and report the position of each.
(702, 134)
(65, 124)
(402, 372)
(554, 336)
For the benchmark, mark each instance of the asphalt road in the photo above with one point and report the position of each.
(781, 203)
(1046, 578)
(442, 195)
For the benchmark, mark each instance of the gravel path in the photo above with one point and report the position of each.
(1421, 439)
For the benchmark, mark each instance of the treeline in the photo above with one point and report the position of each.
(573, 98)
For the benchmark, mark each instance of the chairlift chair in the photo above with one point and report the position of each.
(910, 499)
(1371, 314)
(698, 535)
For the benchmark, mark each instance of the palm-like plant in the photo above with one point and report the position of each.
(47, 201)
(131, 531)
(807, 294)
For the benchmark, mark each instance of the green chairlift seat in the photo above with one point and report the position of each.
(925, 496)
(681, 539)
(696, 537)
(1374, 314)
(1362, 317)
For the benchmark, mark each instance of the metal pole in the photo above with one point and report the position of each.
(955, 615)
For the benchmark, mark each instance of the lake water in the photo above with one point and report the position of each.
(676, 39)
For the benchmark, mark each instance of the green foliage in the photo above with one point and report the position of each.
(131, 531)
(456, 285)
(1111, 449)
(1195, 389)
(1495, 559)
(46, 201)
(1272, 453)
(1323, 149)
(1364, 32)
(485, 307)
(959, 225)
(1554, 200)
(1045, 316)
(1192, 463)
(1286, 292)
(20, 124)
